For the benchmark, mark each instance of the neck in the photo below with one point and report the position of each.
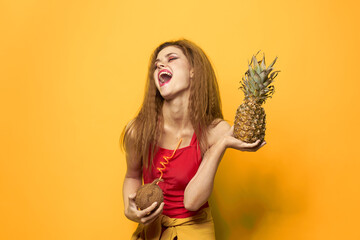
(176, 114)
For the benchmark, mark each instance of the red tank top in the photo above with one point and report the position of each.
(179, 171)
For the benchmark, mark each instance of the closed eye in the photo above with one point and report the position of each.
(170, 59)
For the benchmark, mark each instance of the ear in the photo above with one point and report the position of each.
(191, 72)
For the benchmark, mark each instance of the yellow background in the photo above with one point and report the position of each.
(72, 74)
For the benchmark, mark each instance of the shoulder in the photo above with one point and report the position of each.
(217, 128)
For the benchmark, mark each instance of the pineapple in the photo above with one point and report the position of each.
(250, 117)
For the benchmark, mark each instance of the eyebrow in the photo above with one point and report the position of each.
(165, 56)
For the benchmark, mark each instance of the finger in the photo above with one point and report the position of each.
(147, 211)
(262, 144)
(231, 131)
(152, 217)
(258, 147)
(132, 199)
(252, 145)
(132, 203)
(132, 196)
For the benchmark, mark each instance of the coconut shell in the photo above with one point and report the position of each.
(149, 193)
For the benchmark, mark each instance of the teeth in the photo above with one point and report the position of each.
(166, 73)
(161, 79)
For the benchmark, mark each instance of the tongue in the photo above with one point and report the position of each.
(165, 78)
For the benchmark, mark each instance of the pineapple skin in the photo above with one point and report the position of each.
(250, 121)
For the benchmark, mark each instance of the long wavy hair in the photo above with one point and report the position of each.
(144, 131)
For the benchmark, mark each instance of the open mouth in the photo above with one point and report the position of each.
(164, 77)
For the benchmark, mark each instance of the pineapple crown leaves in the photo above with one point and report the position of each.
(256, 83)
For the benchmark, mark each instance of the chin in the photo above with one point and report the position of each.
(164, 91)
(166, 96)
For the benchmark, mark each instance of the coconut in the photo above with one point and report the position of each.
(149, 193)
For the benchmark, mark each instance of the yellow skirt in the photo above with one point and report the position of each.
(200, 226)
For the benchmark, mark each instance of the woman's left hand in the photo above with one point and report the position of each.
(232, 142)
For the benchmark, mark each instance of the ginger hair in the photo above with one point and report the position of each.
(143, 132)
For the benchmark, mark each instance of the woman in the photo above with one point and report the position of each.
(181, 119)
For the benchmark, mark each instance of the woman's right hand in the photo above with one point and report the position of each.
(145, 216)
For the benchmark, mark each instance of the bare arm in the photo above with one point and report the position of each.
(201, 185)
(132, 182)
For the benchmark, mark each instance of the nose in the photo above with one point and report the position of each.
(161, 65)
